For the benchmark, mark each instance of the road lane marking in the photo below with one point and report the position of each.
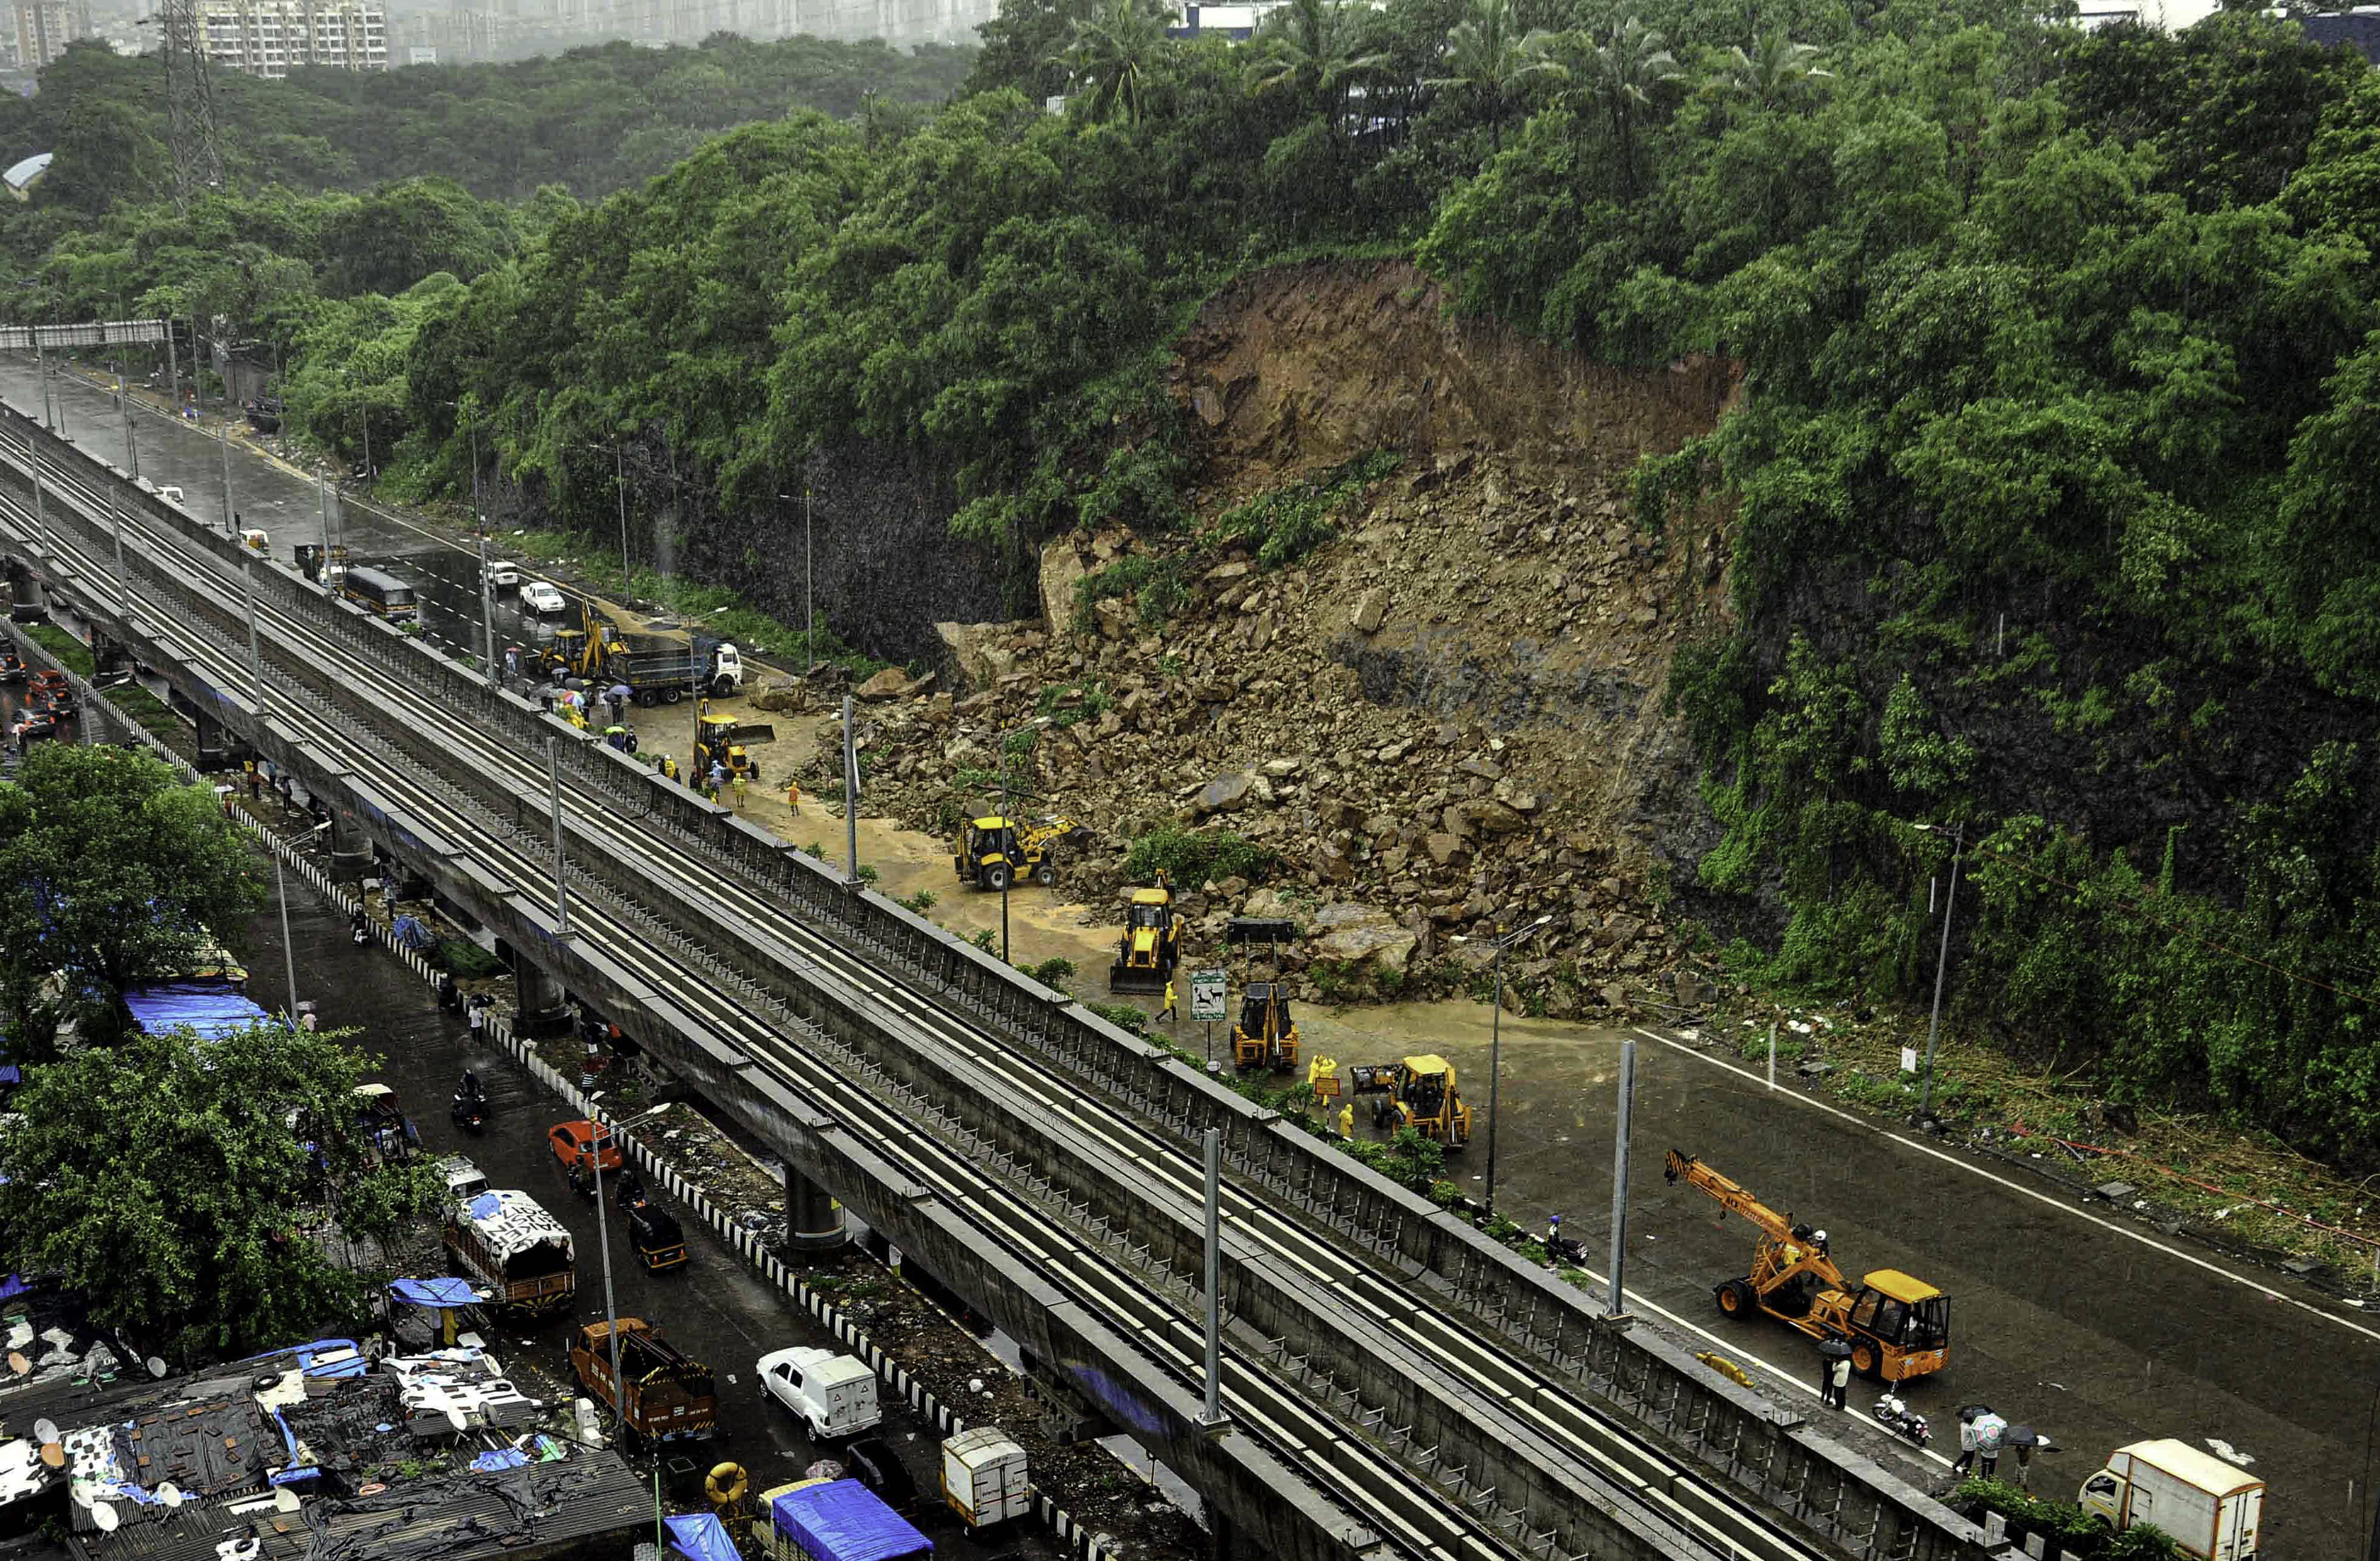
(2012, 1184)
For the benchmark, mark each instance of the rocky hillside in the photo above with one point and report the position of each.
(1445, 716)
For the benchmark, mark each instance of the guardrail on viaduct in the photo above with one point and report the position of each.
(1770, 1450)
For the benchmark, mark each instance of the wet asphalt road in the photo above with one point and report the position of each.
(290, 508)
(716, 1308)
(2096, 1330)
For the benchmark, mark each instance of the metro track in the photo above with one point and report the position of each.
(1011, 1206)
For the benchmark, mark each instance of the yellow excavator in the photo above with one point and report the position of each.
(720, 740)
(1151, 944)
(994, 852)
(1897, 1327)
(1418, 1092)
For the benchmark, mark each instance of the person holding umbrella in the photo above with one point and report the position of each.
(1835, 1374)
(2027, 1442)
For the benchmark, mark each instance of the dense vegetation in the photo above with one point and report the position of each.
(2051, 507)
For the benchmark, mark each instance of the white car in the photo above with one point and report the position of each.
(502, 576)
(834, 1395)
(541, 597)
(465, 1181)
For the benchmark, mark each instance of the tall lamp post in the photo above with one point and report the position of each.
(1496, 1041)
(1942, 962)
(600, 1134)
(1008, 867)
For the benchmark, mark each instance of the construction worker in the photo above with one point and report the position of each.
(1347, 1120)
(794, 796)
(669, 767)
(739, 790)
(1172, 1004)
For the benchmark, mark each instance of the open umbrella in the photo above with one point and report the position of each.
(1834, 1349)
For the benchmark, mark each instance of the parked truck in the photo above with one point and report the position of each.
(2210, 1508)
(984, 1477)
(836, 1520)
(509, 1244)
(666, 1396)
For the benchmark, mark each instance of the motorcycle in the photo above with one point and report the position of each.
(471, 1109)
(359, 927)
(1901, 1420)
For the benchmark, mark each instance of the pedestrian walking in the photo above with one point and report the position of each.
(718, 777)
(739, 791)
(1839, 1374)
(1960, 1464)
(476, 1014)
(1172, 1004)
(794, 797)
(1991, 1431)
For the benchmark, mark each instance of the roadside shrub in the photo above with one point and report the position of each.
(1285, 524)
(1124, 1016)
(465, 960)
(1189, 858)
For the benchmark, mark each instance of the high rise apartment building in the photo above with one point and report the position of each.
(44, 27)
(271, 38)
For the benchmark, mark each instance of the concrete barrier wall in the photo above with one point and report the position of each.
(1761, 1446)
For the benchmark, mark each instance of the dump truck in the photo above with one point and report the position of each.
(510, 1245)
(2210, 1508)
(1151, 945)
(1896, 1326)
(658, 666)
(666, 1397)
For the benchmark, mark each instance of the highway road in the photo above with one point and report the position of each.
(2096, 1329)
(1582, 1441)
(717, 1309)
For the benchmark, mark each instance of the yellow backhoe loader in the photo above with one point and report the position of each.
(1151, 944)
(1418, 1092)
(995, 852)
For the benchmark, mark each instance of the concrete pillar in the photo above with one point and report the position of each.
(813, 1219)
(107, 656)
(351, 849)
(1222, 1534)
(216, 746)
(544, 1003)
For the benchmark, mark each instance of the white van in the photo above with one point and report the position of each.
(465, 1181)
(502, 576)
(984, 1477)
(834, 1395)
(539, 596)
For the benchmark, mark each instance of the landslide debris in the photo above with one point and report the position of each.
(1400, 680)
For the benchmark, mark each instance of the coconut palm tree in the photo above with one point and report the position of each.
(1773, 70)
(1628, 68)
(1313, 47)
(1110, 55)
(1488, 51)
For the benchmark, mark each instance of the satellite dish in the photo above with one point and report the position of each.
(45, 1429)
(170, 1493)
(156, 1366)
(104, 1516)
(457, 1418)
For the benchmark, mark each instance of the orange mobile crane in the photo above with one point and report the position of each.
(1897, 1327)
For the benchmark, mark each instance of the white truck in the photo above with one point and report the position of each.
(984, 1477)
(834, 1395)
(2209, 1507)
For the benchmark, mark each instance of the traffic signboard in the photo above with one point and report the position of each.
(1208, 996)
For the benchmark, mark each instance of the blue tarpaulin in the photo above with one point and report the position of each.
(513, 1457)
(211, 1011)
(846, 1520)
(439, 1295)
(700, 1536)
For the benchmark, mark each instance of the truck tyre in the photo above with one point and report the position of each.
(646, 698)
(721, 687)
(1734, 1298)
(995, 877)
(1046, 875)
(674, 695)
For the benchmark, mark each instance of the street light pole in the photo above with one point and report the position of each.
(810, 596)
(620, 484)
(1612, 1307)
(255, 655)
(598, 1133)
(288, 949)
(1941, 964)
(851, 790)
(1495, 1046)
(487, 616)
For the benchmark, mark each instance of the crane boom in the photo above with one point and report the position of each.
(1791, 1249)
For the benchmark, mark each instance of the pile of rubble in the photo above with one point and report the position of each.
(1426, 727)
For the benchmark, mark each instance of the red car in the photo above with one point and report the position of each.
(573, 1144)
(49, 680)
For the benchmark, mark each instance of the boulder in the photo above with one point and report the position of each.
(1444, 850)
(1485, 815)
(1353, 935)
(1225, 794)
(889, 684)
(1333, 864)
(1371, 610)
(1112, 617)
(979, 651)
(1061, 567)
